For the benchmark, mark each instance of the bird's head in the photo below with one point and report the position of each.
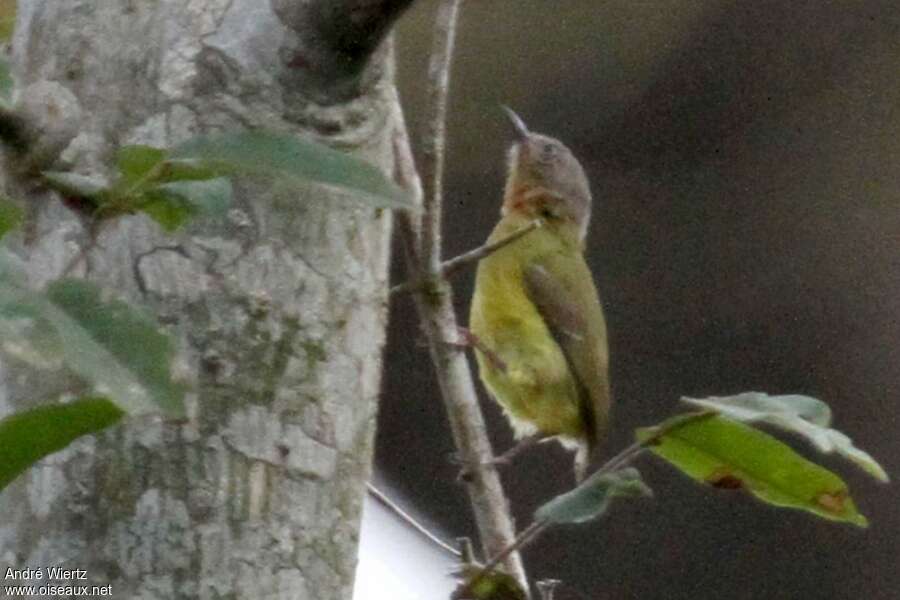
(545, 179)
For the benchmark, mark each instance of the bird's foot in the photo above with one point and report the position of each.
(467, 339)
(501, 460)
(467, 471)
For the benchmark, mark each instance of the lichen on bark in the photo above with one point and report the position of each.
(278, 310)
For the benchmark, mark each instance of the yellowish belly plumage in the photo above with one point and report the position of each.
(536, 389)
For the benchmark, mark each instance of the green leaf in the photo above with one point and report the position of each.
(137, 163)
(179, 169)
(170, 191)
(190, 180)
(755, 405)
(495, 585)
(73, 184)
(18, 336)
(291, 160)
(731, 455)
(115, 346)
(10, 216)
(144, 166)
(106, 342)
(28, 436)
(172, 204)
(803, 415)
(173, 186)
(170, 214)
(591, 499)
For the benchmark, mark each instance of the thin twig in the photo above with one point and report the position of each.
(452, 266)
(405, 516)
(526, 536)
(466, 552)
(547, 588)
(422, 243)
(431, 165)
(623, 458)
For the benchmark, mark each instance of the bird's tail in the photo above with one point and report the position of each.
(588, 458)
(582, 462)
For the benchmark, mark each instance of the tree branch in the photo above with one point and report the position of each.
(452, 266)
(409, 520)
(433, 140)
(620, 460)
(422, 241)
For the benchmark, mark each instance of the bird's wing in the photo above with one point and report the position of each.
(562, 289)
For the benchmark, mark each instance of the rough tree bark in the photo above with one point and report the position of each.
(279, 310)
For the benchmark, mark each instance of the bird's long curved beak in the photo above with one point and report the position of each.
(518, 124)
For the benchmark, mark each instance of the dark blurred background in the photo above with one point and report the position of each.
(745, 164)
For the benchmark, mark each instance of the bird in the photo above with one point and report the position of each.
(535, 315)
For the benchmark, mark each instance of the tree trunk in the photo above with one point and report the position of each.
(278, 309)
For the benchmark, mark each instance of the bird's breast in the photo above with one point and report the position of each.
(536, 388)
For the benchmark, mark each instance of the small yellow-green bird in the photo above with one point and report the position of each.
(540, 333)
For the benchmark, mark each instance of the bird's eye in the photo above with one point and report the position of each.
(549, 152)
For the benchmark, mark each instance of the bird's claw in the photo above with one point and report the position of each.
(466, 472)
(472, 340)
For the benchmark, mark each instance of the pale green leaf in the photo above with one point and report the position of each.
(750, 405)
(28, 436)
(170, 191)
(591, 499)
(137, 163)
(730, 455)
(169, 213)
(23, 335)
(803, 415)
(478, 585)
(74, 184)
(295, 161)
(143, 166)
(172, 204)
(112, 346)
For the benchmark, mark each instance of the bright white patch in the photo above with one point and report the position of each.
(396, 562)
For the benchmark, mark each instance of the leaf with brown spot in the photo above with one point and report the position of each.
(728, 454)
(724, 480)
(832, 502)
(803, 415)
